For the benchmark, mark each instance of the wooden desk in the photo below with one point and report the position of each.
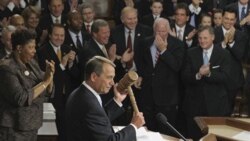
(225, 128)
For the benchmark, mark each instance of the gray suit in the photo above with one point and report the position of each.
(18, 111)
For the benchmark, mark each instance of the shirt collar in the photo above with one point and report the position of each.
(88, 23)
(178, 28)
(194, 9)
(209, 51)
(54, 18)
(93, 91)
(54, 47)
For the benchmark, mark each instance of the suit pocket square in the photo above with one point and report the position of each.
(215, 67)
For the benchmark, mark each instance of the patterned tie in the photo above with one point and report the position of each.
(157, 54)
(129, 64)
(59, 54)
(78, 42)
(179, 34)
(104, 51)
(57, 21)
(243, 13)
(205, 58)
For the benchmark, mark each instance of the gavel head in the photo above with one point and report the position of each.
(127, 80)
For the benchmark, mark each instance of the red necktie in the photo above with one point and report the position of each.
(129, 64)
(88, 28)
(157, 55)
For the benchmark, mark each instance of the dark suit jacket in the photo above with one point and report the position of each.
(236, 55)
(149, 20)
(160, 83)
(89, 50)
(187, 30)
(46, 21)
(18, 109)
(2, 53)
(118, 38)
(69, 41)
(235, 7)
(208, 95)
(86, 120)
(65, 80)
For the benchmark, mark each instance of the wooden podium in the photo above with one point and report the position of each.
(224, 128)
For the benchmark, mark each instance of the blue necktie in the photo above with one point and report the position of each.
(243, 13)
(205, 58)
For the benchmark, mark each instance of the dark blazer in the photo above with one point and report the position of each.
(65, 80)
(89, 50)
(187, 30)
(236, 55)
(69, 41)
(160, 83)
(46, 21)
(209, 93)
(149, 20)
(2, 53)
(86, 120)
(118, 38)
(235, 7)
(18, 109)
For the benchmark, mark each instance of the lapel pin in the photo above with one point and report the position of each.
(26, 73)
(138, 34)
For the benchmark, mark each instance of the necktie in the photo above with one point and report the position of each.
(78, 42)
(59, 54)
(205, 58)
(104, 51)
(243, 13)
(179, 36)
(157, 54)
(88, 28)
(129, 64)
(57, 21)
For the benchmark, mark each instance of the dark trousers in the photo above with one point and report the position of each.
(10, 134)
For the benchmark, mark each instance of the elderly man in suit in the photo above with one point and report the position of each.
(5, 44)
(94, 121)
(206, 75)
(160, 61)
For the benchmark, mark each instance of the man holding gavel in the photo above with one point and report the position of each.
(86, 117)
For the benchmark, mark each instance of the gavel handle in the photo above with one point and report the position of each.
(132, 100)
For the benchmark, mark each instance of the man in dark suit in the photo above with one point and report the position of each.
(181, 29)
(67, 74)
(160, 60)
(98, 44)
(242, 8)
(156, 9)
(127, 37)
(94, 121)
(206, 75)
(55, 15)
(88, 15)
(75, 38)
(235, 42)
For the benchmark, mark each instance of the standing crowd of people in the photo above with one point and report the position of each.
(188, 55)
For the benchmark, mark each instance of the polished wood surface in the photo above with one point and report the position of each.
(225, 128)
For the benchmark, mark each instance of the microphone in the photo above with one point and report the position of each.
(163, 119)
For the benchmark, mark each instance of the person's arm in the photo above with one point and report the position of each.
(47, 83)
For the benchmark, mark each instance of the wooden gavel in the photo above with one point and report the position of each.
(125, 84)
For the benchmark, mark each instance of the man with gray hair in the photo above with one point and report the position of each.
(5, 44)
(206, 75)
(161, 57)
(87, 119)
